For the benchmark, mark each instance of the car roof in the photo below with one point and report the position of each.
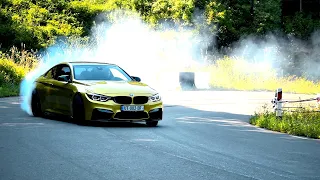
(86, 63)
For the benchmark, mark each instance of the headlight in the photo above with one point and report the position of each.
(155, 98)
(98, 97)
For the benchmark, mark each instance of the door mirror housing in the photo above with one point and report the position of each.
(136, 78)
(64, 78)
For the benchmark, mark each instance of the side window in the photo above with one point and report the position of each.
(117, 74)
(65, 70)
(50, 74)
(62, 70)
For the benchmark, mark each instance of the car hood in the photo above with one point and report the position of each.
(119, 88)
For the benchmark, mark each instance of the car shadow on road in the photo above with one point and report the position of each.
(173, 115)
(176, 113)
(12, 110)
(66, 119)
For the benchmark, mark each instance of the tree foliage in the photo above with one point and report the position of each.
(300, 25)
(38, 23)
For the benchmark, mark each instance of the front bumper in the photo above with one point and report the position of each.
(110, 111)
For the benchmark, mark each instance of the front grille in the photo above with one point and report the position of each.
(140, 100)
(131, 115)
(122, 99)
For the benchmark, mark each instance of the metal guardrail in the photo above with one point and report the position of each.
(278, 103)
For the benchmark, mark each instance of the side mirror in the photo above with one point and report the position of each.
(64, 78)
(136, 78)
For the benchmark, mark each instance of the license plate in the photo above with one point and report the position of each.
(132, 108)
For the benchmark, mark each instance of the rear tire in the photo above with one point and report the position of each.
(78, 110)
(152, 123)
(36, 105)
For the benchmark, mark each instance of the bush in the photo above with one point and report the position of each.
(10, 72)
(8, 90)
(11, 75)
(302, 123)
(13, 68)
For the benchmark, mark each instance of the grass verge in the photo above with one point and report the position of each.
(14, 65)
(9, 90)
(301, 123)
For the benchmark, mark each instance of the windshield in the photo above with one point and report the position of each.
(103, 72)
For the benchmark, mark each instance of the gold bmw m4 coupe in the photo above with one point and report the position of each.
(88, 91)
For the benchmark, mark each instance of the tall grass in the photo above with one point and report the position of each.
(238, 74)
(303, 122)
(14, 65)
(21, 57)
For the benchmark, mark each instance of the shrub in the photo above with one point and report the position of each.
(305, 122)
(10, 72)
(13, 67)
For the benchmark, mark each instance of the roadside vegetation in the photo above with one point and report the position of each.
(303, 122)
(13, 68)
(239, 74)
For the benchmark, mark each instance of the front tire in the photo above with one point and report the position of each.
(78, 109)
(36, 105)
(152, 123)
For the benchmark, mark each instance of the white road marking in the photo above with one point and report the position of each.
(20, 124)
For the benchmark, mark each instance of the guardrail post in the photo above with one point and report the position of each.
(278, 103)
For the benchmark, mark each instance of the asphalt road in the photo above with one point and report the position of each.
(204, 135)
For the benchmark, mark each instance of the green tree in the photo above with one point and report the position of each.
(301, 25)
(267, 15)
(177, 11)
